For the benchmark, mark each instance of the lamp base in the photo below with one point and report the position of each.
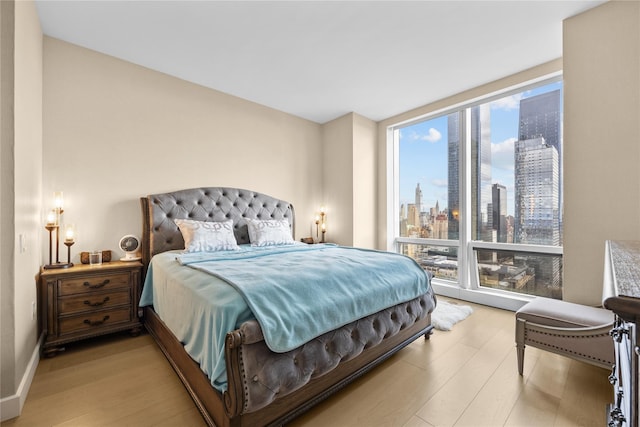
(58, 265)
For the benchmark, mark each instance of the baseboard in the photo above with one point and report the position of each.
(11, 406)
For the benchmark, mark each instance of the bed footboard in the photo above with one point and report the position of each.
(356, 348)
(258, 377)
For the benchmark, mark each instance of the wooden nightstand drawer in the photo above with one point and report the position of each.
(89, 302)
(85, 301)
(94, 320)
(92, 283)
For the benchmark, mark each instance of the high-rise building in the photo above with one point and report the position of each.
(540, 117)
(480, 127)
(499, 211)
(413, 216)
(536, 197)
(403, 221)
(453, 192)
(537, 185)
(418, 199)
(480, 171)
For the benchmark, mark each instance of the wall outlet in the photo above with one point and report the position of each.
(22, 239)
(33, 310)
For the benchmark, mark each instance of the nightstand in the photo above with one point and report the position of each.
(88, 300)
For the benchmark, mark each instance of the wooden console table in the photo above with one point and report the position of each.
(621, 294)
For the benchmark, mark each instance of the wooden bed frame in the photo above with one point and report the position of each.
(226, 409)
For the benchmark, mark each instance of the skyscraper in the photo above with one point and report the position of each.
(453, 192)
(537, 185)
(540, 116)
(418, 200)
(537, 211)
(480, 171)
(499, 211)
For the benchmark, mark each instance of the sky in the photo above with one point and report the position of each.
(423, 152)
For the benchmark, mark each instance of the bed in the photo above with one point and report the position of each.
(260, 386)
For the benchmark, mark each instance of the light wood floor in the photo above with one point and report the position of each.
(465, 377)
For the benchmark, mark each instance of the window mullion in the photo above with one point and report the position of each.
(464, 178)
(393, 190)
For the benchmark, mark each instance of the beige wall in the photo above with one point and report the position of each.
(601, 141)
(7, 285)
(21, 197)
(349, 180)
(338, 178)
(115, 131)
(365, 172)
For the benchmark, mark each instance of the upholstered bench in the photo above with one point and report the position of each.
(577, 331)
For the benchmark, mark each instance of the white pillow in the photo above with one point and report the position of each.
(269, 232)
(202, 236)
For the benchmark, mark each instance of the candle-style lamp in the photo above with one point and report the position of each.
(323, 224)
(69, 236)
(58, 202)
(53, 224)
(50, 226)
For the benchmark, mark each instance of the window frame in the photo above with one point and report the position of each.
(468, 285)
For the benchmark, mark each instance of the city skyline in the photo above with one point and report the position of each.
(430, 140)
(515, 197)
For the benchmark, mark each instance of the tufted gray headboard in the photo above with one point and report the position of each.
(160, 233)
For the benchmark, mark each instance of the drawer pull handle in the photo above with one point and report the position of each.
(96, 304)
(96, 322)
(98, 285)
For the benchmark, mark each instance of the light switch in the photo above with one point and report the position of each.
(23, 243)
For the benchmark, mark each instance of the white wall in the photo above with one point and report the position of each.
(115, 131)
(21, 198)
(601, 141)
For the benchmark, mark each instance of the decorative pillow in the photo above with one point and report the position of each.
(202, 236)
(269, 232)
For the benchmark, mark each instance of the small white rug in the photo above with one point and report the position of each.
(448, 314)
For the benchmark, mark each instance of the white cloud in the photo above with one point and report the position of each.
(502, 154)
(507, 103)
(433, 136)
(440, 183)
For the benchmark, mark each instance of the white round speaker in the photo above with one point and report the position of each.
(130, 245)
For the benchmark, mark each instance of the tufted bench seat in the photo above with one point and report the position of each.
(577, 331)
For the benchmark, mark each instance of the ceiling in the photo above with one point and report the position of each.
(322, 59)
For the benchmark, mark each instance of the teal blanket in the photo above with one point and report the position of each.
(299, 292)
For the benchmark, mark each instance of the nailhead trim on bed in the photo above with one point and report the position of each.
(271, 375)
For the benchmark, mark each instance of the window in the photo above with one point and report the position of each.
(479, 192)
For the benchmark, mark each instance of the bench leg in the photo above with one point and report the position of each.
(520, 351)
(520, 324)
